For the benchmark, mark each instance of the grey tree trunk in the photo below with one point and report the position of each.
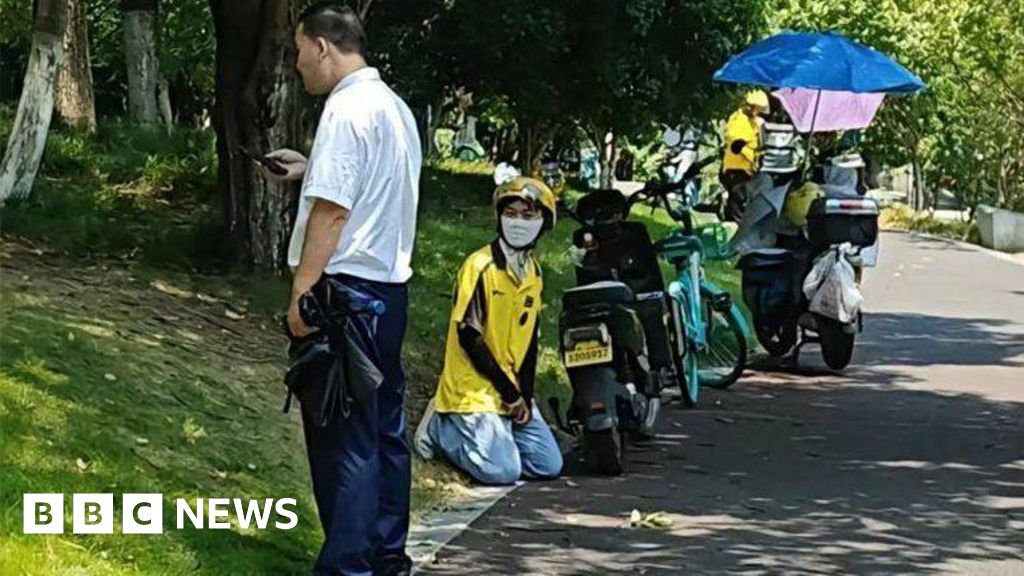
(164, 103)
(35, 109)
(609, 152)
(258, 106)
(140, 56)
(75, 102)
(919, 202)
(533, 142)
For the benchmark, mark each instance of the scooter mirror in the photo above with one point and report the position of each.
(671, 137)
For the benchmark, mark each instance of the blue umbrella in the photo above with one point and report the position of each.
(819, 61)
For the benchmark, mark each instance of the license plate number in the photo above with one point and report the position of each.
(588, 356)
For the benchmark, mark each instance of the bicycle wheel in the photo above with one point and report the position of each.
(722, 361)
(683, 356)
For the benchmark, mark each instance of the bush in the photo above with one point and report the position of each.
(124, 191)
(902, 217)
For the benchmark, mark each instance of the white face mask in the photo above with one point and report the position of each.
(520, 232)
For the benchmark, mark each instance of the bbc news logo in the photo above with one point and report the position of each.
(144, 513)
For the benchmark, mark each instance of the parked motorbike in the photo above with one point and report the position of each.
(624, 337)
(684, 144)
(837, 240)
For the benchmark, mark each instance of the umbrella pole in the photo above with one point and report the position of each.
(810, 137)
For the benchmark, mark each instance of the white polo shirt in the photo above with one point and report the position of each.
(366, 158)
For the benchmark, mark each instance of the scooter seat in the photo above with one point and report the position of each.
(605, 292)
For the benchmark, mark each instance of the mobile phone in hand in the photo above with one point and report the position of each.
(274, 166)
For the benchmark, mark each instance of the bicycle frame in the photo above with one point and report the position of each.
(685, 291)
(691, 294)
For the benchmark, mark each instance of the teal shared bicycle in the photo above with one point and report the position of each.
(708, 331)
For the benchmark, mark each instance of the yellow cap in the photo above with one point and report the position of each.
(758, 98)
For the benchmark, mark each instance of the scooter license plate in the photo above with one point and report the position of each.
(588, 356)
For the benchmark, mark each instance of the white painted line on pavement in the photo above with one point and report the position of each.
(437, 529)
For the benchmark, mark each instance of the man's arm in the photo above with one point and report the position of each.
(323, 229)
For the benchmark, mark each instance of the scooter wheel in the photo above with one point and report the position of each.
(836, 342)
(603, 451)
(777, 342)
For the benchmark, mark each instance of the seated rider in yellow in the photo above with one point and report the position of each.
(741, 159)
(483, 418)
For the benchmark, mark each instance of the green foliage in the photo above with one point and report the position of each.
(966, 129)
(16, 31)
(641, 62)
(185, 48)
(187, 51)
(400, 33)
(603, 65)
(515, 49)
(123, 191)
(649, 155)
(902, 217)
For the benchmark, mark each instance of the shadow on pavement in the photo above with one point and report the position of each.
(919, 340)
(795, 473)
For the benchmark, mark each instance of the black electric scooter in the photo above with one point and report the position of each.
(615, 328)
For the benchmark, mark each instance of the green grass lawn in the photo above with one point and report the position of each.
(122, 369)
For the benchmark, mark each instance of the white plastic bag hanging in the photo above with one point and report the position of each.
(831, 286)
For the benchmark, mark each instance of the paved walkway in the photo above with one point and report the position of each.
(910, 462)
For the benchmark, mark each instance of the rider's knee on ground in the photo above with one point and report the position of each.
(494, 471)
(543, 467)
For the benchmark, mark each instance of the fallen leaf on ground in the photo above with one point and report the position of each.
(168, 289)
(653, 520)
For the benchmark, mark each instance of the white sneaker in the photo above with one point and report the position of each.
(422, 442)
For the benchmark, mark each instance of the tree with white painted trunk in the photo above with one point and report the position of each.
(140, 25)
(35, 109)
(75, 101)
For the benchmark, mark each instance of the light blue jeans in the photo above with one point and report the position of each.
(493, 450)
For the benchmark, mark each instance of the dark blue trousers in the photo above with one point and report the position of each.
(360, 465)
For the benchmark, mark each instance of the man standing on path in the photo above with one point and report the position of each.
(356, 224)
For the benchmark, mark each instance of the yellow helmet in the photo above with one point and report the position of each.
(798, 203)
(531, 190)
(758, 98)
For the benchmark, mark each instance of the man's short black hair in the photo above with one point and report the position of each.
(336, 23)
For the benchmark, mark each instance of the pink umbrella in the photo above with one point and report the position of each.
(827, 110)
